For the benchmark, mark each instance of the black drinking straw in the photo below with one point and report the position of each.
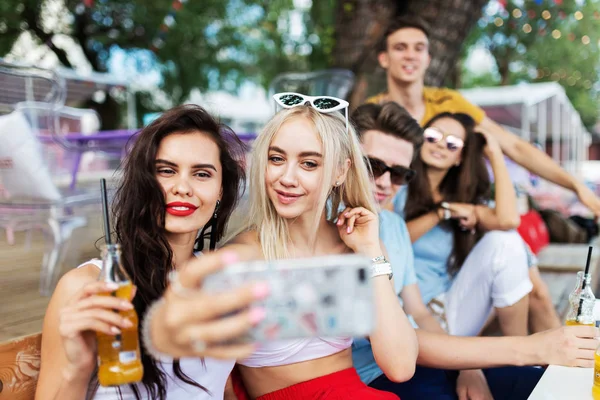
(105, 211)
(587, 271)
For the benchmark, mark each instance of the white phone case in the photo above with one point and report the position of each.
(320, 296)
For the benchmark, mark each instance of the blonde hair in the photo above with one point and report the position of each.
(339, 145)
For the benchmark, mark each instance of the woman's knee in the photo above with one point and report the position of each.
(503, 239)
(506, 247)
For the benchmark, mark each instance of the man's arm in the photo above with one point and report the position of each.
(571, 346)
(538, 162)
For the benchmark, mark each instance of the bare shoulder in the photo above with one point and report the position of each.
(73, 281)
(249, 238)
(247, 245)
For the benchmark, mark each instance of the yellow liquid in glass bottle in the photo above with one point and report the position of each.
(119, 360)
(596, 386)
(576, 323)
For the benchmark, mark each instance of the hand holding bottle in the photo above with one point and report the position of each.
(570, 346)
(88, 312)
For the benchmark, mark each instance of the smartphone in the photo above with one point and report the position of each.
(318, 296)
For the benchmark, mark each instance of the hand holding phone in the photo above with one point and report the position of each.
(320, 296)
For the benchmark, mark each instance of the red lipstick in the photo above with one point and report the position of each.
(180, 209)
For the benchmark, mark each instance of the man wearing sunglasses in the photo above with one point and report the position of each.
(390, 138)
(404, 54)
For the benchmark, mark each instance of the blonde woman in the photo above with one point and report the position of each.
(305, 157)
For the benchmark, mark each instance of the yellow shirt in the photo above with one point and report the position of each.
(439, 100)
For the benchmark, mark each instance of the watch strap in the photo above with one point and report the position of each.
(381, 266)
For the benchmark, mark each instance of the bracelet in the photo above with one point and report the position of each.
(437, 213)
(381, 266)
(146, 337)
(447, 212)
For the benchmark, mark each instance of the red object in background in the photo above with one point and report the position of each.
(534, 232)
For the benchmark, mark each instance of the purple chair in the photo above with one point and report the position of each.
(40, 160)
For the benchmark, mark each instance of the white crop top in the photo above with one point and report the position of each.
(283, 352)
(212, 375)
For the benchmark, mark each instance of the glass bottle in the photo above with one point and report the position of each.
(119, 360)
(581, 302)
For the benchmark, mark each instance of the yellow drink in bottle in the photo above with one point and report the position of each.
(119, 360)
(596, 386)
(572, 322)
(581, 303)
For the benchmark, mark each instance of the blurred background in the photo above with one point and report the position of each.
(169, 52)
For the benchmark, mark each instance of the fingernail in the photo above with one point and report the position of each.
(339, 222)
(112, 286)
(115, 330)
(126, 305)
(229, 257)
(347, 214)
(257, 314)
(348, 230)
(261, 290)
(127, 323)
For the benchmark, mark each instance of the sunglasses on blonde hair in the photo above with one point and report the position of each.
(323, 104)
(435, 135)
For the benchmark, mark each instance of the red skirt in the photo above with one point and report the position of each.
(342, 385)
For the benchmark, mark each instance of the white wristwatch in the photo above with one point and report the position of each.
(381, 266)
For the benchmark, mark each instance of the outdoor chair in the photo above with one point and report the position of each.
(20, 367)
(36, 163)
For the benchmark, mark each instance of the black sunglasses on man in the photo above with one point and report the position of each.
(398, 175)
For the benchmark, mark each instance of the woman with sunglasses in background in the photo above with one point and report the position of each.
(306, 158)
(466, 262)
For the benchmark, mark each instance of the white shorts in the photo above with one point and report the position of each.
(494, 275)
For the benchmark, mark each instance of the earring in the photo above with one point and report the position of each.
(213, 229)
(217, 208)
(336, 184)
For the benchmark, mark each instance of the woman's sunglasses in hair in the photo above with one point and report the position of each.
(434, 135)
(398, 175)
(323, 104)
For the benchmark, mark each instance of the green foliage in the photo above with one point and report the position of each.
(526, 46)
(11, 23)
(321, 26)
(213, 44)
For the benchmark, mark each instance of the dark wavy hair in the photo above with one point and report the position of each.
(467, 182)
(139, 215)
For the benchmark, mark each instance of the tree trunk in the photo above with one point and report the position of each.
(360, 25)
(453, 80)
(450, 23)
